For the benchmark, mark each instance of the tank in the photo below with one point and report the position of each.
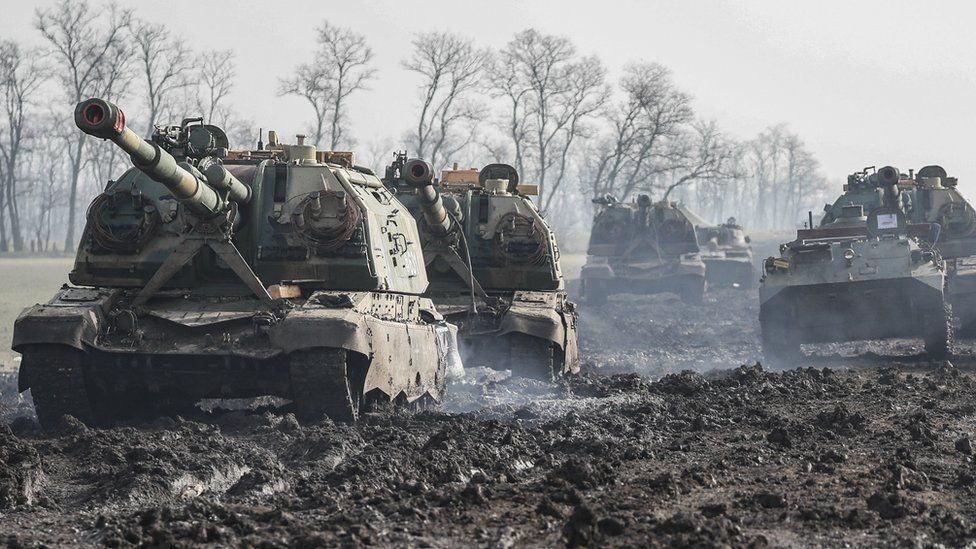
(926, 196)
(642, 247)
(207, 273)
(856, 278)
(493, 266)
(726, 251)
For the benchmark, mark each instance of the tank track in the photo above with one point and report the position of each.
(57, 381)
(320, 385)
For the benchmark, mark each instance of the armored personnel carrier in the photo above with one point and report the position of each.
(493, 266)
(209, 273)
(642, 248)
(856, 278)
(928, 196)
(726, 251)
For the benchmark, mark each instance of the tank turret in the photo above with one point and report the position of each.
(105, 120)
(420, 174)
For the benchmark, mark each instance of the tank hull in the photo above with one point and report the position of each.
(533, 334)
(685, 277)
(721, 270)
(354, 348)
(850, 290)
(862, 310)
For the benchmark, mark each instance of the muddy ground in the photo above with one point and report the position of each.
(673, 436)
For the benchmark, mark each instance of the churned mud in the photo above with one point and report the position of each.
(674, 435)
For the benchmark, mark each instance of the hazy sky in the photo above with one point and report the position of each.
(881, 82)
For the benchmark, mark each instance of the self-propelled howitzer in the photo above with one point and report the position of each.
(926, 196)
(642, 247)
(210, 273)
(493, 267)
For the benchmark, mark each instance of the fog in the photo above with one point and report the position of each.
(863, 83)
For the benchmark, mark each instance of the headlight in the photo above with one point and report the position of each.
(849, 254)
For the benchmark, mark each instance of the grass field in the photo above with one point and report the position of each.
(25, 281)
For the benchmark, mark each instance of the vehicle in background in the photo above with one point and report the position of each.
(726, 251)
(926, 196)
(642, 247)
(493, 266)
(858, 277)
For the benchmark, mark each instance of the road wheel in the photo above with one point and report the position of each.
(57, 382)
(320, 386)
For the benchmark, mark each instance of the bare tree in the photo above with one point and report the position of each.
(378, 153)
(550, 94)
(701, 155)
(216, 80)
(801, 181)
(216, 76)
(46, 196)
(452, 68)
(723, 196)
(115, 80)
(784, 179)
(341, 67)
(165, 66)
(21, 74)
(85, 42)
(241, 132)
(652, 115)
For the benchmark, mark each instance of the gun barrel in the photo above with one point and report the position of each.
(100, 118)
(218, 176)
(420, 174)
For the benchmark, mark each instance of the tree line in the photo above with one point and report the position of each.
(537, 103)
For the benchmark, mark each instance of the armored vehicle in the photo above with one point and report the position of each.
(856, 278)
(726, 251)
(493, 266)
(642, 248)
(928, 196)
(209, 273)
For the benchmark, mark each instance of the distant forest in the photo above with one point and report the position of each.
(569, 126)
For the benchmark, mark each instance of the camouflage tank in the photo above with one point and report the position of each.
(726, 251)
(928, 196)
(493, 266)
(642, 248)
(209, 273)
(856, 278)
